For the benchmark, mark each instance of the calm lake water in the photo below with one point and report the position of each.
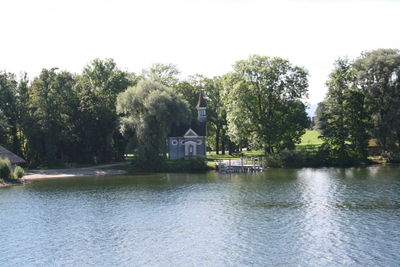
(308, 217)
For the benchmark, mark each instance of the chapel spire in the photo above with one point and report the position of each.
(201, 108)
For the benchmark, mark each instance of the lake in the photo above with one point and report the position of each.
(308, 217)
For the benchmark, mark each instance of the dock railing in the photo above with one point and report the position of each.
(244, 164)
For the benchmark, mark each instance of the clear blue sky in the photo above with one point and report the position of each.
(200, 36)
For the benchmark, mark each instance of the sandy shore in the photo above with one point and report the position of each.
(72, 172)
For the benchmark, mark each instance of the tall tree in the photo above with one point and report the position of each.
(48, 129)
(148, 110)
(13, 106)
(258, 94)
(320, 120)
(217, 114)
(378, 76)
(189, 92)
(345, 119)
(97, 89)
(165, 74)
(9, 110)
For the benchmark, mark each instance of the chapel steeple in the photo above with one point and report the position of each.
(201, 108)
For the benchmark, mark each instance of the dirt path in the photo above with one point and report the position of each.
(71, 172)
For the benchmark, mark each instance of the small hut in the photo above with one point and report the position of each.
(14, 159)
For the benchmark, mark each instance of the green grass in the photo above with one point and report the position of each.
(211, 156)
(309, 140)
(311, 137)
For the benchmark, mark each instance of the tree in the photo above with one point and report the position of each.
(165, 74)
(260, 96)
(320, 120)
(344, 127)
(148, 110)
(97, 89)
(378, 77)
(217, 115)
(9, 108)
(190, 93)
(48, 128)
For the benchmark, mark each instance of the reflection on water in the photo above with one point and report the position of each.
(311, 217)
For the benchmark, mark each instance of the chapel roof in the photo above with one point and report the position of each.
(179, 130)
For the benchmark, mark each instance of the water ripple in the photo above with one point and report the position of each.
(306, 217)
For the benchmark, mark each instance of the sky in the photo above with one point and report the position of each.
(199, 36)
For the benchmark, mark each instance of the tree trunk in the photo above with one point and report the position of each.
(230, 147)
(217, 136)
(16, 148)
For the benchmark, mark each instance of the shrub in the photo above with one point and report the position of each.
(273, 161)
(189, 165)
(305, 158)
(5, 169)
(18, 172)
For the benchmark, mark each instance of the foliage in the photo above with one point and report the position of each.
(378, 77)
(190, 93)
(11, 112)
(96, 123)
(59, 117)
(18, 172)
(165, 74)
(320, 120)
(190, 165)
(309, 158)
(148, 111)
(263, 100)
(5, 169)
(49, 115)
(344, 119)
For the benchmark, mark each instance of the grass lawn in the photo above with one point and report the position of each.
(311, 138)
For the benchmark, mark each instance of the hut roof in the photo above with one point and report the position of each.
(4, 153)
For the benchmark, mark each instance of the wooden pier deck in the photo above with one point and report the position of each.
(241, 165)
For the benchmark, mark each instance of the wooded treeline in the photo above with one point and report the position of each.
(96, 116)
(362, 103)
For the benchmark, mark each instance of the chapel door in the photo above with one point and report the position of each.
(191, 150)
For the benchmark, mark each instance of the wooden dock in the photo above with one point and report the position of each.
(241, 165)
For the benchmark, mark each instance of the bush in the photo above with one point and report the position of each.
(323, 157)
(189, 165)
(5, 169)
(7, 173)
(273, 161)
(18, 172)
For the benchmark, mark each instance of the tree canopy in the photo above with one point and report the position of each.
(148, 110)
(378, 77)
(263, 100)
(59, 117)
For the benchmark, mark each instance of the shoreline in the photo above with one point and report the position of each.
(65, 173)
(73, 172)
(62, 173)
(13, 183)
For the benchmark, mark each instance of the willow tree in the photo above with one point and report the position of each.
(263, 99)
(147, 112)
